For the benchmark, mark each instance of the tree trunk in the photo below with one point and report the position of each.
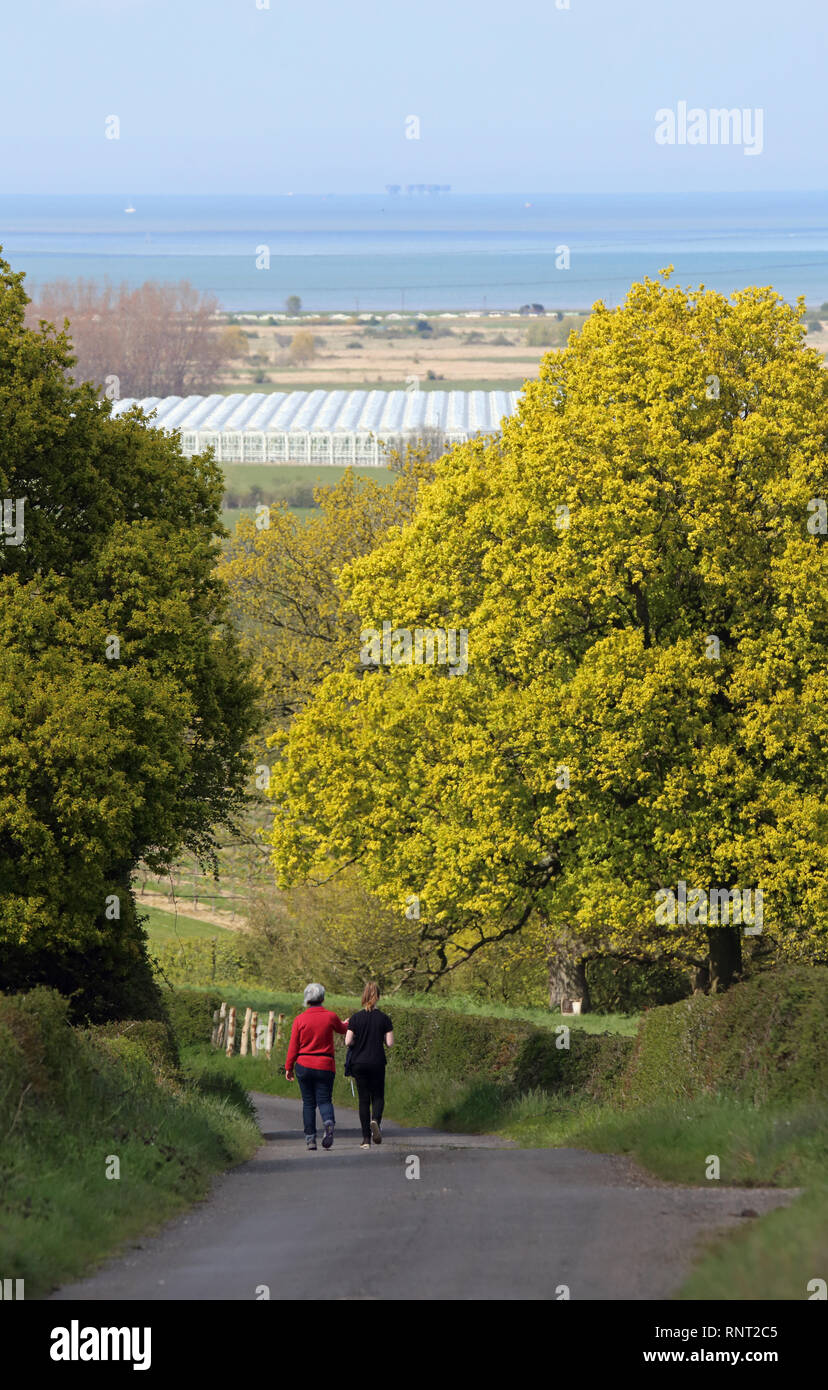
(700, 979)
(725, 957)
(567, 975)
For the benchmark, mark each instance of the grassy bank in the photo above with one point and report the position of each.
(74, 1102)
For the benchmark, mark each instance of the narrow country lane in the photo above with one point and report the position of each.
(484, 1220)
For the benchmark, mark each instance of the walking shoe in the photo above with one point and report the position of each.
(376, 1132)
(366, 1144)
(311, 1143)
(328, 1139)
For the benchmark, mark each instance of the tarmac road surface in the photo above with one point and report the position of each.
(484, 1220)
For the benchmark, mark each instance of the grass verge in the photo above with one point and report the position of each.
(71, 1103)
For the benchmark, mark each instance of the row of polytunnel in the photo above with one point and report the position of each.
(323, 426)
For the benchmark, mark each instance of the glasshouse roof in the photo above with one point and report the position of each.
(323, 426)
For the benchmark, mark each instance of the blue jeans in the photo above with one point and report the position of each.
(316, 1086)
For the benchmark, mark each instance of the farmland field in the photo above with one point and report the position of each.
(165, 926)
(442, 352)
(249, 484)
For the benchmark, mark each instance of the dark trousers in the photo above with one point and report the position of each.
(371, 1090)
(316, 1086)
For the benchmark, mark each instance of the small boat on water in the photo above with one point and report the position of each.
(129, 209)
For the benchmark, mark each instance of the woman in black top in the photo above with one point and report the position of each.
(370, 1031)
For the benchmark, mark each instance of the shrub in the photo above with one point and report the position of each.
(544, 333)
(627, 987)
(669, 1060)
(302, 496)
(191, 1014)
(593, 1063)
(464, 1044)
(155, 1040)
(763, 1040)
(509, 1051)
(101, 980)
(70, 1097)
(40, 1054)
(201, 960)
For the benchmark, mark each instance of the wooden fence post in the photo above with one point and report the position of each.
(279, 1029)
(214, 1034)
(245, 1038)
(222, 1024)
(254, 1041)
(231, 1031)
(271, 1025)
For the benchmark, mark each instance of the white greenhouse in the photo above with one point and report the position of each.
(337, 427)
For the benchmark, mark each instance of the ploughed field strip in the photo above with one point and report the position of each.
(484, 1219)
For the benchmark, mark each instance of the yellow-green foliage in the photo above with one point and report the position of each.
(124, 702)
(652, 491)
(282, 576)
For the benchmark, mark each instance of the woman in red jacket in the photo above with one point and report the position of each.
(310, 1057)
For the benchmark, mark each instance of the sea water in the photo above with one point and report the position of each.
(438, 251)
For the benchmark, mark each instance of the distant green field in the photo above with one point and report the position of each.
(165, 926)
(292, 483)
(230, 515)
(273, 478)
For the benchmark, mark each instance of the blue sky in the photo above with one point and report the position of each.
(219, 96)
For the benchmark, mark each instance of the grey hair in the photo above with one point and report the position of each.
(314, 994)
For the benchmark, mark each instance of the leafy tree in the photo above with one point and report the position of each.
(294, 629)
(640, 568)
(282, 576)
(155, 340)
(547, 333)
(336, 932)
(124, 702)
(303, 346)
(293, 304)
